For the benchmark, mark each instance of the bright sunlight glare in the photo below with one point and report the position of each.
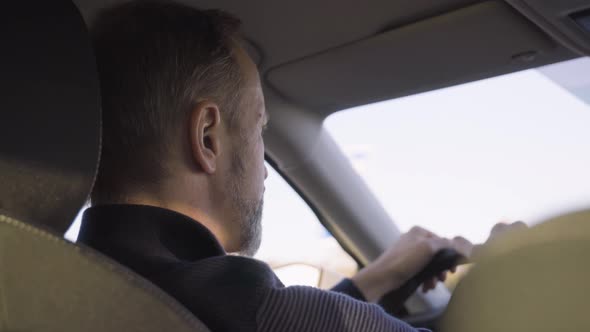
(458, 160)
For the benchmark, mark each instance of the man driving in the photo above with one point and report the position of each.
(181, 180)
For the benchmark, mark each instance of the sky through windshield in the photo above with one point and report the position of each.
(457, 160)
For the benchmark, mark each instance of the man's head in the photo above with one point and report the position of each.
(183, 114)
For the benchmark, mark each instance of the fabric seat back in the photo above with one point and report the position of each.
(49, 152)
(534, 280)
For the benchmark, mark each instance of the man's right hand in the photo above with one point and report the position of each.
(408, 256)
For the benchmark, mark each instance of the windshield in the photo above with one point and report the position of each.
(460, 159)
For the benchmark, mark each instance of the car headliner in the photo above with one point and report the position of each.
(334, 54)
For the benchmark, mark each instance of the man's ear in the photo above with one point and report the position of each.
(205, 135)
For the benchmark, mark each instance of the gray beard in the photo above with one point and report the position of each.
(249, 213)
(251, 230)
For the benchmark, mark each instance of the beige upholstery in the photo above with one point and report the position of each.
(535, 280)
(48, 284)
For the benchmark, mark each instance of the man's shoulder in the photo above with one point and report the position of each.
(225, 271)
(223, 291)
(231, 293)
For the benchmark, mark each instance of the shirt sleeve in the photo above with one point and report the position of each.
(307, 309)
(346, 286)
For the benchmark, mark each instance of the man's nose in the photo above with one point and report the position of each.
(265, 172)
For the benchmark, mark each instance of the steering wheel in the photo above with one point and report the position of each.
(445, 259)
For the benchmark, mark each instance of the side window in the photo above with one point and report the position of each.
(294, 242)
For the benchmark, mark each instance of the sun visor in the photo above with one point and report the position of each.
(479, 41)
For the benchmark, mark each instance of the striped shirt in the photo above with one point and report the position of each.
(227, 292)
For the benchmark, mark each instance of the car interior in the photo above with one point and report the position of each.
(315, 58)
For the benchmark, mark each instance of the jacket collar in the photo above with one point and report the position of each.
(149, 230)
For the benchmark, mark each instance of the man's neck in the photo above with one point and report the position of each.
(186, 209)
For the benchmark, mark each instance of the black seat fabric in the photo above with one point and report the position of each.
(49, 151)
(535, 280)
(50, 102)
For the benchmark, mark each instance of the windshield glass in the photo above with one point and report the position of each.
(460, 159)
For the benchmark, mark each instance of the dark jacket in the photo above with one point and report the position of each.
(227, 292)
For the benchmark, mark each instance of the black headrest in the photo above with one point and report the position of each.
(50, 112)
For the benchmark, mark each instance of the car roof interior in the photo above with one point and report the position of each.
(331, 55)
(319, 57)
